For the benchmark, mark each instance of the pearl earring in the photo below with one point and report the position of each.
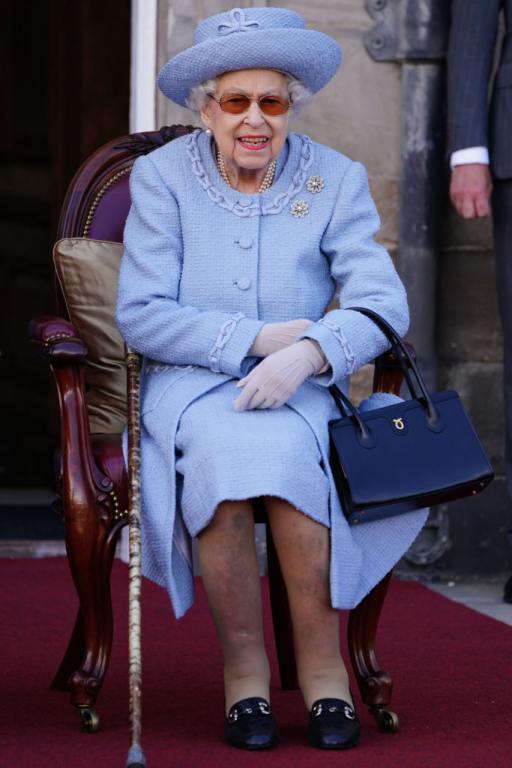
(208, 132)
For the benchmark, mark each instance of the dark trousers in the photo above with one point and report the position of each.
(502, 226)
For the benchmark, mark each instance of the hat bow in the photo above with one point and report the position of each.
(237, 23)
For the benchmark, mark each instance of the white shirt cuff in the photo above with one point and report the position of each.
(470, 155)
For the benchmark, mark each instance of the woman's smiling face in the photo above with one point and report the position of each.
(251, 140)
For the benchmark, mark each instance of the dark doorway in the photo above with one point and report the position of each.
(64, 91)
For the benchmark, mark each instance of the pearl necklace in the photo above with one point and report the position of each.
(268, 178)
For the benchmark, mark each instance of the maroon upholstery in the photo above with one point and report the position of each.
(111, 212)
(108, 455)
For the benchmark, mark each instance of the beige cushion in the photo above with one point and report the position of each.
(87, 271)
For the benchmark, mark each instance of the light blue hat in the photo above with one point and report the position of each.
(252, 38)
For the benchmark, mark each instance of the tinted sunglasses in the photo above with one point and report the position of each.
(236, 103)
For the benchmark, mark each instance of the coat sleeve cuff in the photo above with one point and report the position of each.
(336, 349)
(348, 340)
(232, 345)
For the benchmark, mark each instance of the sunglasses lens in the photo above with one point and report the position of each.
(235, 104)
(271, 105)
(238, 103)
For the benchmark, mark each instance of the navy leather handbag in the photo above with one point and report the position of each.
(408, 455)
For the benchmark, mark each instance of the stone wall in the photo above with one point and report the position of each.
(358, 113)
(470, 356)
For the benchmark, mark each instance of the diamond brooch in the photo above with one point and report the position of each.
(299, 208)
(315, 184)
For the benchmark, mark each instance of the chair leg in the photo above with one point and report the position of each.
(375, 685)
(73, 656)
(90, 546)
(281, 619)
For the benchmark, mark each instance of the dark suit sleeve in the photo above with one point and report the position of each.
(474, 26)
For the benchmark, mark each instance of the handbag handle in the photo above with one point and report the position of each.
(345, 406)
(417, 386)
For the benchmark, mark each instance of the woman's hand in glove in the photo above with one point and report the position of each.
(278, 376)
(276, 336)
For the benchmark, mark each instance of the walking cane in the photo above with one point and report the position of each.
(136, 757)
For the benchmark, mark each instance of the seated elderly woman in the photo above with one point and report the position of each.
(237, 238)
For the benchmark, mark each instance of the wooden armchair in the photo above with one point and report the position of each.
(91, 479)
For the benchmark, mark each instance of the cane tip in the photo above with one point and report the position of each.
(136, 758)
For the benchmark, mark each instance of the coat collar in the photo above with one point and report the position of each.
(293, 164)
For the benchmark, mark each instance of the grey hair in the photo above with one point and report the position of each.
(198, 96)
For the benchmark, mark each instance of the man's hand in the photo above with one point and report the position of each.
(470, 190)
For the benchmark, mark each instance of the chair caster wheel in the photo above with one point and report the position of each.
(89, 720)
(387, 720)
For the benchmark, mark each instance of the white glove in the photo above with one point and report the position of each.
(275, 336)
(278, 376)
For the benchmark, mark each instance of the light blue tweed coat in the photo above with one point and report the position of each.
(204, 268)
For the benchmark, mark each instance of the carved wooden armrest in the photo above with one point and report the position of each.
(57, 340)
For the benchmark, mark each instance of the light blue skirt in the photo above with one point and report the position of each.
(222, 454)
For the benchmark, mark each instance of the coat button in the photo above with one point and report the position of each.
(243, 283)
(245, 242)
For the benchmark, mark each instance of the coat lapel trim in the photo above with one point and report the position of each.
(290, 182)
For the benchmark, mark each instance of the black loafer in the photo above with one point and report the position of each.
(250, 724)
(333, 724)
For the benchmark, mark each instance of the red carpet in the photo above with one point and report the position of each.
(452, 670)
